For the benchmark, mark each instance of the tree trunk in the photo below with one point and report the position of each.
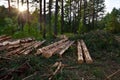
(62, 17)
(50, 25)
(56, 18)
(70, 16)
(44, 30)
(40, 5)
(93, 15)
(9, 6)
(28, 10)
(84, 15)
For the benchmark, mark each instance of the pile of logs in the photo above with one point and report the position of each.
(83, 53)
(17, 47)
(27, 45)
(58, 47)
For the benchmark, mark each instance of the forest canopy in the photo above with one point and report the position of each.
(54, 17)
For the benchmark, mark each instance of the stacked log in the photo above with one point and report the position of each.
(20, 46)
(60, 46)
(24, 48)
(35, 46)
(52, 51)
(5, 38)
(39, 51)
(18, 50)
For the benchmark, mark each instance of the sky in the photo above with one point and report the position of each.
(110, 4)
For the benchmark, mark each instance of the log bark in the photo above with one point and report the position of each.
(39, 51)
(27, 40)
(17, 51)
(5, 38)
(87, 56)
(52, 51)
(27, 48)
(65, 48)
(34, 47)
(2, 36)
(79, 53)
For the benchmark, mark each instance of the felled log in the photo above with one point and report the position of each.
(5, 38)
(27, 40)
(52, 51)
(56, 71)
(66, 47)
(10, 43)
(13, 47)
(2, 48)
(27, 48)
(35, 46)
(39, 51)
(79, 53)
(113, 74)
(87, 56)
(2, 36)
(17, 51)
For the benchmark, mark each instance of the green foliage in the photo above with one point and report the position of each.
(10, 27)
(98, 73)
(82, 28)
(28, 31)
(112, 21)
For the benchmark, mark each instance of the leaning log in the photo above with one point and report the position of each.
(79, 53)
(39, 51)
(65, 48)
(87, 56)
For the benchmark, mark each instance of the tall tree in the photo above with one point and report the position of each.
(84, 12)
(28, 11)
(9, 5)
(50, 25)
(40, 15)
(56, 18)
(62, 15)
(44, 28)
(18, 4)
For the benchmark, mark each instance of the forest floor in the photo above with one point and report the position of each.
(103, 47)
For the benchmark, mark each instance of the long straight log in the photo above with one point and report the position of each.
(39, 51)
(27, 48)
(17, 51)
(52, 51)
(13, 47)
(27, 40)
(79, 53)
(2, 36)
(65, 48)
(5, 38)
(87, 56)
(35, 46)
